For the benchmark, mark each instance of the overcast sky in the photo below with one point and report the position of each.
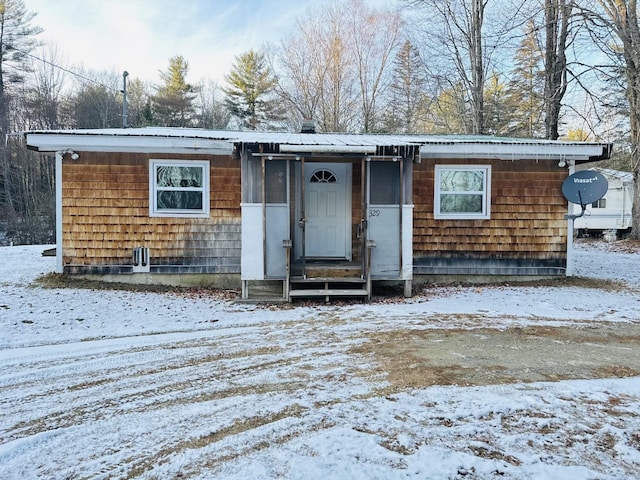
(141, 35)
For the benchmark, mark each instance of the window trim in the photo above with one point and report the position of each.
(486, 194)
(204, 212)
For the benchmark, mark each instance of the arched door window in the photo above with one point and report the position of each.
(323, 176)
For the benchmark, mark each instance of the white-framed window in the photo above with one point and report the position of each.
(178, 188)
(462, 192)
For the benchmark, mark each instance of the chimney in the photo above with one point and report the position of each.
(308, 126)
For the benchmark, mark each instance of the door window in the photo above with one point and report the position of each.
(385, 183)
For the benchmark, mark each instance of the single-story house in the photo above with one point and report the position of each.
(612, 213)
(320, 214)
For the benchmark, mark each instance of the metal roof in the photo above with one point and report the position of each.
(176, 140)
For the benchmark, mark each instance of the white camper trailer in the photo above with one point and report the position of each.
(612, 213)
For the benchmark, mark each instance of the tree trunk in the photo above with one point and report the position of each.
(556, 13)
(632, 67)
(624, 17)
(6, 198)
(477, 66)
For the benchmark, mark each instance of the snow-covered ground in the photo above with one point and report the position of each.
(117, 384)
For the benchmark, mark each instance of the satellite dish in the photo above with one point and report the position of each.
(584, 187)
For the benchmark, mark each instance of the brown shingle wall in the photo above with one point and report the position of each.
(106, 214)
(527, 214)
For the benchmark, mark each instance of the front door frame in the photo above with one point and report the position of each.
(306, 170)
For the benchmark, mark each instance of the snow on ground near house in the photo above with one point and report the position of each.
(117, 384)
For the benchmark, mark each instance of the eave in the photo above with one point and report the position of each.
(99, 142)
(175, 140)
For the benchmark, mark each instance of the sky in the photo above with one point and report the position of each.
(140, 36)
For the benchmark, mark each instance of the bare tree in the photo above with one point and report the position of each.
(617, 31)
(467, 41)
(44, 94)
(375, 36)
(337, 66)
(557, 15)
(212, 113)
(453, 33)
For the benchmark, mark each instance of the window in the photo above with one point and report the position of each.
(385, 183)
(178, 188)
(323, 176)
(276, 181)
(602, 203)
(462, 192)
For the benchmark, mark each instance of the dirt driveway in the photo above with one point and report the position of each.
(421, 358)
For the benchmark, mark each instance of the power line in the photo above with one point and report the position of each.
(76, 74)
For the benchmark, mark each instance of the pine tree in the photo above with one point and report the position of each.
(172, 105)
(17, 39)
(250, 95)
(408, 93)
(526, 89)
(450, 112)
(497, 113)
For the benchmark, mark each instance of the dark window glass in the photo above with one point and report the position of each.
(323, 176)
(276, 181)
(179, 200)
(385, 183)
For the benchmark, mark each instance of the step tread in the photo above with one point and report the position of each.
(329, 293)
(327, 279)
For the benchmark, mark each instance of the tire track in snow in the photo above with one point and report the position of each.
(192, 370)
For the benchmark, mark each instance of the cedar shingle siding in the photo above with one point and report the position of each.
(106, 214)
(526, 234)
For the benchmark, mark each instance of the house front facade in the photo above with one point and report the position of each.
(321, 214)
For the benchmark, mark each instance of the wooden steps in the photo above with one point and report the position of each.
(328, 287)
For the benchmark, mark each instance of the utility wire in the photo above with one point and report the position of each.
(76, 74)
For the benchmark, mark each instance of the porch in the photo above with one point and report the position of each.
(325, 224)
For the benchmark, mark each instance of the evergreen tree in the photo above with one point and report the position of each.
(526, 89)
(450, 112)
(408, 92)
(250, 95)
(497, 113)
(138, 104)
(172, 105)
(95, 106)
(17, 39)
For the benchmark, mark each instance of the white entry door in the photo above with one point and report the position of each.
(327, 210)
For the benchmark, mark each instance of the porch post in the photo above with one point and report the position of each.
(264, 218)
(363, 220)
(303, 219)
(58, 173)
(400, 207)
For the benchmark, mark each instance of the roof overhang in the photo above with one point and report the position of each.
(338, 149)
(183, 141)
(137, 141)
(513, 149)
